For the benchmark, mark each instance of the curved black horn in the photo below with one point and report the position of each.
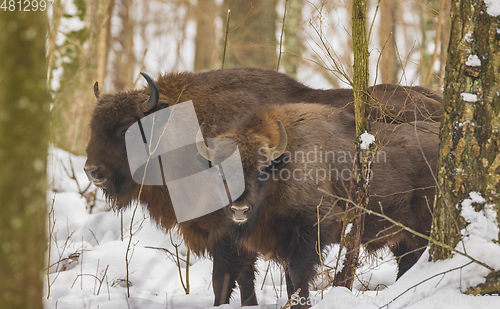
(97, 93)
(203, 150)
(153, 98)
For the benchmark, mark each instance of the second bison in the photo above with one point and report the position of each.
(297, 157)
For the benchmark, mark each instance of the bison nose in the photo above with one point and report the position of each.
(240, 213)
(92, 172)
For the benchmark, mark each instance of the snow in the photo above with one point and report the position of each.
(483, 223)
(468, 37)
(469, 97)
(492, 7)
(468, 122)
(473, 61)
(87, 261)
(348, 228)
(366, 139)
(87, 255)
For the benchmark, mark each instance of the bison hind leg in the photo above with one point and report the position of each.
(407, 252)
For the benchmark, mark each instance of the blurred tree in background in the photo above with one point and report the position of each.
(205, 42)
(111, 41)
(252, 33)
(389, 60)
(24, 123)
(123, 47)
(435, 29)
(82, 55)
(293, 41)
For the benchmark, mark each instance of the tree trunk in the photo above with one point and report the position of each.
(24, 123)
(431, 22)
(444, 39)
(389, 62)
(123, 75)
(103, 39)
(84, 57)
(205, 47)
(252, 34)
(293, 44)
(469, 150)
(359, 186)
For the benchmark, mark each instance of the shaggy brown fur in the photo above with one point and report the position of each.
(281, 197)
(218, 96)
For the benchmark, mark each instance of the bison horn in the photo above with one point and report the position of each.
(153, 98)
(278, 150)
(203, 150)
(97, 93)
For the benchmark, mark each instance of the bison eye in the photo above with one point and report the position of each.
(123, 131)
(123, 128)
(263, 175)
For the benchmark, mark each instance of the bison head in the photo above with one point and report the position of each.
(262, 152)
(107, 165)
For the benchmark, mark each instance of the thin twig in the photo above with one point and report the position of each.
(421, 282)
(265, 275)
(176, 246)
(225, 39)
(371, 212)
(167, 251)
(281, 36)
(318, 248)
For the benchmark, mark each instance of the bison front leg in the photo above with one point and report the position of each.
(231, 265)
(299, 275)
(246, 278)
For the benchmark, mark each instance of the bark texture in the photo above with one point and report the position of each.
(24, 123)
(469, 150)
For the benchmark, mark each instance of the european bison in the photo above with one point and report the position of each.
(297, 157)
(218, 97)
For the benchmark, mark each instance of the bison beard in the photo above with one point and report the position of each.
(282, 213)
(218, 97)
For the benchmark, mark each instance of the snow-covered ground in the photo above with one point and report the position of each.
(88, 270)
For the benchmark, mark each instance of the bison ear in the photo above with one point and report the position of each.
(279, 162)
(97, 93)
